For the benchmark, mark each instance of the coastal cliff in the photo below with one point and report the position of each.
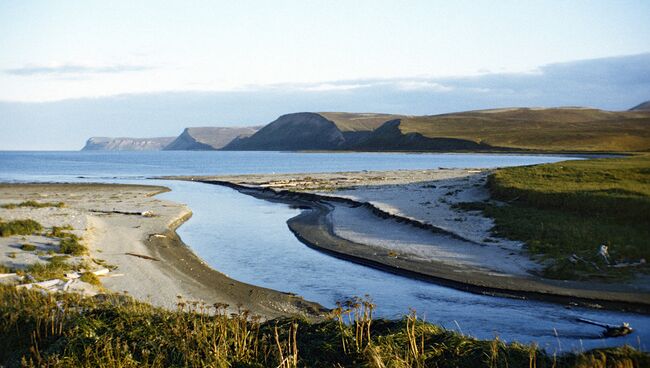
(126, 144)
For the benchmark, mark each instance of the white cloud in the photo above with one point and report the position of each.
(422, 85)
(74, 69)
(323, 87)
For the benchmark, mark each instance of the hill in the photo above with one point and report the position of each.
(208, 138)
(564, 129)
(513, 129)
(644, 106)
(313, 131)
(126, 144)
(553, 129)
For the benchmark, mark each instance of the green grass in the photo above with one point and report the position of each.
(70, 243)
(90, 278)
(72, 246)
(33, 204)
(19, 227)
(54, 269)
(5, 269)
(65, 330)
(572, 207)
(28, 247)
(354, 122)
(60, 231)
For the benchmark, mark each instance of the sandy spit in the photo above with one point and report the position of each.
(152, 263)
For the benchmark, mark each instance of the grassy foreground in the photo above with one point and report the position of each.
(573, 207)
(115, 331)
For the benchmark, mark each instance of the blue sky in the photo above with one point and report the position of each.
(78, 65)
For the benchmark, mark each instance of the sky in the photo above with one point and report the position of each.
(74, 69)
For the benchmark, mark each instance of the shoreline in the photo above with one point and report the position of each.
(315, 228)
(262, 301)
(153, 263)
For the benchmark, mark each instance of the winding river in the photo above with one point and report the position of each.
(248, 239)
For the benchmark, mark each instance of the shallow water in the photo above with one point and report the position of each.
(248, 239)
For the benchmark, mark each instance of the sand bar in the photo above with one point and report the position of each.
(128, 227)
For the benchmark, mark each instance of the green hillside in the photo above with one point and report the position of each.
(358, 122)
(558, 129)
(571, 208)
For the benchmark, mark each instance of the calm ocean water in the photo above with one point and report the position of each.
(228, 227)
(66, 165)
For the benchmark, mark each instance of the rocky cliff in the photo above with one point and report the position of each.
(126, 144)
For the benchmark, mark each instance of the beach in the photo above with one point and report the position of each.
(406, 222)
(130, 232)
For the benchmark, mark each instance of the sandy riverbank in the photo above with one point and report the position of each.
(151, 261)
(404, 222)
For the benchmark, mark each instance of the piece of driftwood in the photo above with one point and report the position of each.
(610, 330)
(132, 213)
(47, 284)
(101, 272)
(142, 256)
(575, 258)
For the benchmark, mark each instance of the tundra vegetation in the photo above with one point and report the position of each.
(564, 211)
(69, 243)
(56, 266)
(33, 204)
(63, 330)
(19, 227)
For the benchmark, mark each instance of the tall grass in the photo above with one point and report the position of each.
(67, 330)
(19, 227)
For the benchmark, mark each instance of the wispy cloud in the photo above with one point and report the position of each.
(321, 87)
(422, 85)
(75, 69)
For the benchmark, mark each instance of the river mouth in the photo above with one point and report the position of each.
(249, 240)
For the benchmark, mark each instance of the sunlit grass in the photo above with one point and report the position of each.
(64, 330)
(19, 227)
(33, 204)
(573, 207)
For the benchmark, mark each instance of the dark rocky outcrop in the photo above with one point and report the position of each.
(389, 137)
(126, 144)
(208, 138)
(299, 131)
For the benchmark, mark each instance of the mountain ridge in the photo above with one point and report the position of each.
(525, 129)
